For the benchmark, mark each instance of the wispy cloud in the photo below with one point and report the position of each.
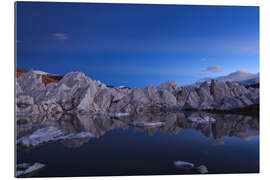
(60, 36)
(213, 69)
(202, 59)
(253, 49)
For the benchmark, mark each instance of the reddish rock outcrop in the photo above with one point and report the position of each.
(46, 79)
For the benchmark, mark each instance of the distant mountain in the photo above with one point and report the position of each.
(253, 80)
(241, 76)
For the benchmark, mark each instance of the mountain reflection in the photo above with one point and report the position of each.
(243, 127)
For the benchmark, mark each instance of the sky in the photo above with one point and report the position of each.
(135, 45)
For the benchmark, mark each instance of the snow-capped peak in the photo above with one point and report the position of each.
(241, 76)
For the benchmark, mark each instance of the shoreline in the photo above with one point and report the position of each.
(252, 110)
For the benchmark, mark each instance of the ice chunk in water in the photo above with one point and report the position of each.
(183, 164)
(147, 123)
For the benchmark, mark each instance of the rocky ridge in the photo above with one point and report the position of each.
(76, 92)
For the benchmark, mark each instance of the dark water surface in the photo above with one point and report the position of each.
(229, 145)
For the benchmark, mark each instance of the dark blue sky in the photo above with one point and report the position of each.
(134, 45)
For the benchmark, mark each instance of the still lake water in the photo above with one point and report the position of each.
(229, 145)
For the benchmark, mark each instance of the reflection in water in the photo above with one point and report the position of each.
(227, 145)
(243, 127)
(218, 142)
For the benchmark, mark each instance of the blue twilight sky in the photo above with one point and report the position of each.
(135, 45)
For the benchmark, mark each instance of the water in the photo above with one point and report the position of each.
(230, 145)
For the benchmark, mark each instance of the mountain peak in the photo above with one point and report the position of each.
(238, 76)
(241, 72)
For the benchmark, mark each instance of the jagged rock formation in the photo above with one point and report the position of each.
(76, 92)
(221, 95)
(46, 78)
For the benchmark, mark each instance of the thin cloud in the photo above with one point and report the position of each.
(202, 60)
(60, 36)
(213, 69)
(253, 49)
(242, 71)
